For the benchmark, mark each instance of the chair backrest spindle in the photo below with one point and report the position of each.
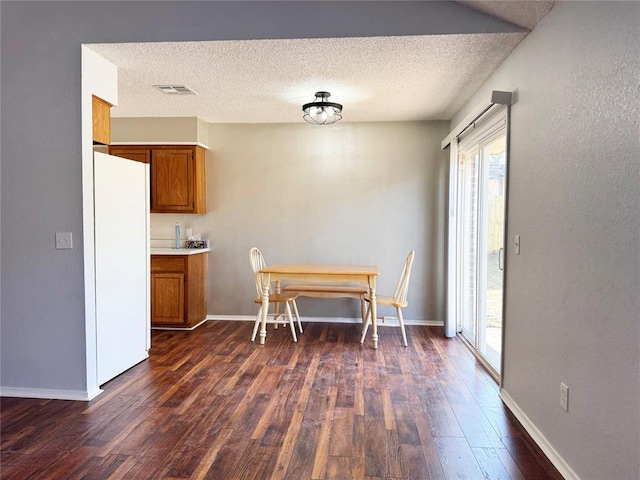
(400, 295)
(257, 264)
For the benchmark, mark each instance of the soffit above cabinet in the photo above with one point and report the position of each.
(159, 131)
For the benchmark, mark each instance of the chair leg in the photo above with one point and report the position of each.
(401, 322)
(293, 327)
(367, 321)
(295, 311)
(257, 324)
(363, 309)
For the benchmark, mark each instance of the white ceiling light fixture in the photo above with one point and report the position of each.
(175, 89)
(321, 111)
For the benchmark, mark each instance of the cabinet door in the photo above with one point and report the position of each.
(172, 177)
(167, 298)
(101, 121)
(196, 285)
(136, 154)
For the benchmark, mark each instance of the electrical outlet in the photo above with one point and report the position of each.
(517, 245)
(64, 240)
(564, 397)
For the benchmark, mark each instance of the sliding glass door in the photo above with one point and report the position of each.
(469, 164)
(482, 175)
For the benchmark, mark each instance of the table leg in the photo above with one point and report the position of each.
(276, 314)
(265, 307)
(374, 312)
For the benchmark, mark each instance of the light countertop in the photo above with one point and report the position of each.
(178, 251)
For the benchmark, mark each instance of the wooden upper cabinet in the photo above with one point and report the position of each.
(101, 120)
(172, 180)
(178, 179)
(178, 176)
(142, 155)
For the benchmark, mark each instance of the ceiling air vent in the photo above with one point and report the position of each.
(175, 89)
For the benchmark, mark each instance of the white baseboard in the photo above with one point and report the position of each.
(50, 394)
(252, 318)
(537, 436)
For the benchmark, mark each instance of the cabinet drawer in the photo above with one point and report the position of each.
(167, 264)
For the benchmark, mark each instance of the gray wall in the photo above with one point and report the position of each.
(42, 311)
(572, 298)
(362, 193)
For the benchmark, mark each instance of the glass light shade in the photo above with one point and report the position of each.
(321, 111)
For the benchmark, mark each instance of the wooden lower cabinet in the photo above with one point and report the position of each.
(167, 305)
(178, 290)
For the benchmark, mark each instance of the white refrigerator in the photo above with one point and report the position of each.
(122, 263)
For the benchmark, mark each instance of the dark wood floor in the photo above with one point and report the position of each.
(211, 404)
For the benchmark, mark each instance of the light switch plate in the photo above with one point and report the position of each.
(64, 240)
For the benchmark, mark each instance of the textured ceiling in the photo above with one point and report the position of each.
(399, 78)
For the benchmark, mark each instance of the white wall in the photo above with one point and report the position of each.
(169, 130)
(572, 296)
(348, 193)
(99, 78)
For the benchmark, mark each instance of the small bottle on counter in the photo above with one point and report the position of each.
(177, 235)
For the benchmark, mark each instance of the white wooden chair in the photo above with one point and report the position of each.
(398, 301)
(288, 299)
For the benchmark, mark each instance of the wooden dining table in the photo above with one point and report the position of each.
(361, 274)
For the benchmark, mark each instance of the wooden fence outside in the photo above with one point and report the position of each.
(495, 236)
